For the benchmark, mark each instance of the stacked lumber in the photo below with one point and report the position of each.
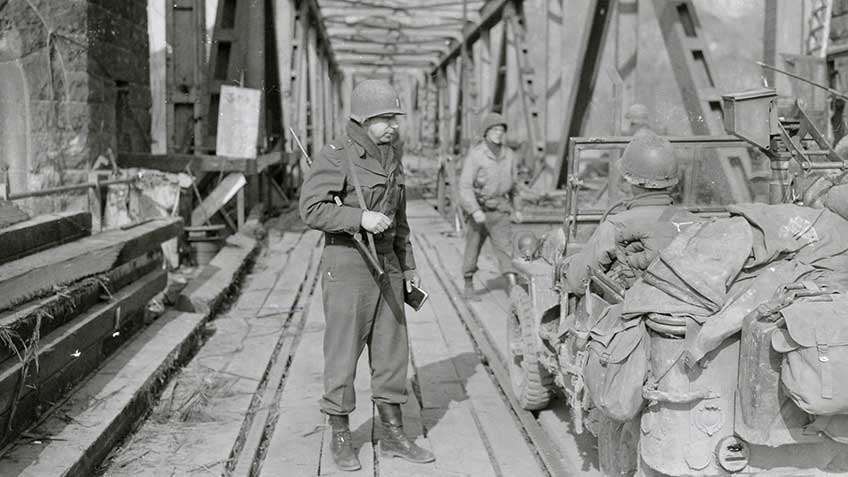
(42, 232)
(68, 303)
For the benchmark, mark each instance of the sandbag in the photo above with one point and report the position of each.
(617, 365)
(814, 344)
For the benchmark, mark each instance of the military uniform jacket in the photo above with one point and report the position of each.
(487, 180)
(381, 176)
(652, 221)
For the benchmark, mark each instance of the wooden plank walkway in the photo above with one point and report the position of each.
(200, 417)
(437, 240)
(455, 407)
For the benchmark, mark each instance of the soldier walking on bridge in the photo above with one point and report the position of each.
(356, 187)
(486, 188)
(639, 118)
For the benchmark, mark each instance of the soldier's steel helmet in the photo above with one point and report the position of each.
(372, 98)
(649, 162)
(526, 245)
(491, 120)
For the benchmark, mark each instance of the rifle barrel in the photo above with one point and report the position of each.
(801, 78)
(302, 149)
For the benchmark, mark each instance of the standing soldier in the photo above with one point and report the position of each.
(640, 119)
(486, 187)
(624, 244)
(356, 187)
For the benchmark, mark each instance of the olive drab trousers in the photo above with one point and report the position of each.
(498, 228)
(358, 315)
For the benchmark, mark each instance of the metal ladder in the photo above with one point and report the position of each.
(819, 25)
(526, 79)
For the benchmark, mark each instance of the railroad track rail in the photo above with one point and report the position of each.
(552, 458)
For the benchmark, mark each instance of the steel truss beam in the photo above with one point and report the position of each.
(490, 14)
(360, 57)
(580, 96)
(388, 50)
(351, 41)
(395, 6)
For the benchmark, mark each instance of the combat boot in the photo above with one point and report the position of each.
(395, 443)
(340, 446)
(468, 291)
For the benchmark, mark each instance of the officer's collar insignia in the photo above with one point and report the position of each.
(397, 102)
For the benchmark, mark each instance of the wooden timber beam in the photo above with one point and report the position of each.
(24, 321)
(67, 355)
(42, 232)
(36, 274)
(588, 61)
(201, 163)
(490, 14)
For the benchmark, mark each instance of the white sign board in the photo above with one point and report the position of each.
(238, 122)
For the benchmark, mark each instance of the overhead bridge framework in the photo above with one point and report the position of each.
(556, 69)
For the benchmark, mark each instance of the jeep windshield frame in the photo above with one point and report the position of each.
(598, 155)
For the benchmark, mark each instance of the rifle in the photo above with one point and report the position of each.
(302, 149)
(832, 91)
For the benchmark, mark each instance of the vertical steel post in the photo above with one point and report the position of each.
(779, 161)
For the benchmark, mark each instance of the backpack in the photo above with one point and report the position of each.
(814, 344)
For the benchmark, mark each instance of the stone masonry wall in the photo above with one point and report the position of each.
(84, 65)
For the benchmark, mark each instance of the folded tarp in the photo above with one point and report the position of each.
(693, 274)
(817, 235)
(728, 321)
(718, 272)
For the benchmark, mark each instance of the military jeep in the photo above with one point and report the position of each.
(545, 340)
